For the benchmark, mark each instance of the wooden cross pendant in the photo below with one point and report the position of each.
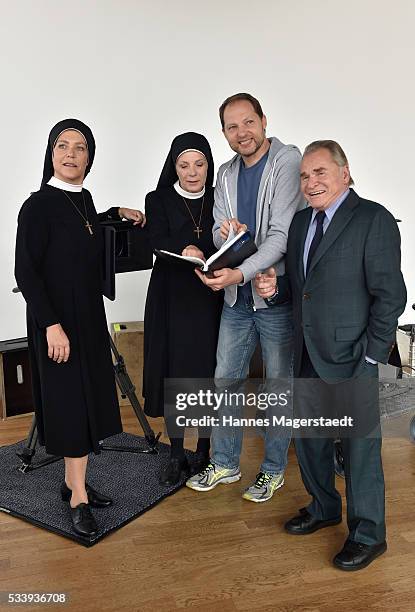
(89, 228)
(197, 231)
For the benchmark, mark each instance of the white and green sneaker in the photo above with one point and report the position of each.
(211, 476)
(264, 487)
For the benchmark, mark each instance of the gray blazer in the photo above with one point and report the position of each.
(349, 304)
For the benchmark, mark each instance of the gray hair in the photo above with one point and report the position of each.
(333, 147)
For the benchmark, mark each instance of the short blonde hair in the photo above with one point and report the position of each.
(337, 153)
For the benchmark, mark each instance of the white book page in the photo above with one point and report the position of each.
(196, 260)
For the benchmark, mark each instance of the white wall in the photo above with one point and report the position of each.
(140, 72)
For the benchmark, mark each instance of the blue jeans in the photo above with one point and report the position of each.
(240, 329)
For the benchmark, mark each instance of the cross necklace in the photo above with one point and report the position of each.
(197, 229)
(88, 226)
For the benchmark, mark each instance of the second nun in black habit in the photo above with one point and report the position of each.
(58, 270)
(182, 315)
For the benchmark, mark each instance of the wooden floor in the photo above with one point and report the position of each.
(214, 551)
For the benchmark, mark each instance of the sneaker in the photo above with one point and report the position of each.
(264, 487)
(211, 476)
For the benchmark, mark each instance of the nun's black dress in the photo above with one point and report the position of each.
(58, 270)
(182, 315)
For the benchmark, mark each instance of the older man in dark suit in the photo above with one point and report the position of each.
(344, 278)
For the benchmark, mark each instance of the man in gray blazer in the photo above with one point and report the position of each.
(343, 274)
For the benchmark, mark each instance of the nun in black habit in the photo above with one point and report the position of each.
(182, 315)
(58, 270)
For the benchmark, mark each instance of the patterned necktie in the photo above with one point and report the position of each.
(320, 216)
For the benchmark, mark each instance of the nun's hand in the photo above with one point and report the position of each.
(132, 214)
(192, 251)
(58, 343)
(237, 227)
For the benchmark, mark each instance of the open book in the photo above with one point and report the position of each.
(231, 254)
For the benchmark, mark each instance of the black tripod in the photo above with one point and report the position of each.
(127, 390)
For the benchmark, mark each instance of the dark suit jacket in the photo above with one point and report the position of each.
(349, 304)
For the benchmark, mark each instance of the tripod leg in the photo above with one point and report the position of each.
(127, 388)
(27, 454)
(412, 429)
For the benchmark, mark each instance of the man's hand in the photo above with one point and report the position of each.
(192, 251)
(237, 227)
(58, 343)
(266, 283)
(221, 278)
(132, 214)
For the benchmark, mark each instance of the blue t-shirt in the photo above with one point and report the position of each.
(249, 178)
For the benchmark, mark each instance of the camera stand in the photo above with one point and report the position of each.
(127, 389)
(29, 451)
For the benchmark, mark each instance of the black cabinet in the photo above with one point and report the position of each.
(15, 382)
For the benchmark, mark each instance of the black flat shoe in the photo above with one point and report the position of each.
(176, 470)
(95, 499)
(83, 521)
(305, 523)
(199, 463)
(355, 555)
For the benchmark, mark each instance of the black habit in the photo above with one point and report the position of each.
(58, 269)
(182, 315)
